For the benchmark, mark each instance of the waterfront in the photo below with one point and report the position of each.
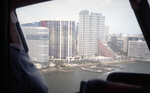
(87, 66)
(69, 82)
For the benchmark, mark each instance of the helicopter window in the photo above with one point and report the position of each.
(72, 40)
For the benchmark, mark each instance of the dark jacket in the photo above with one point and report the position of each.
(23, 75)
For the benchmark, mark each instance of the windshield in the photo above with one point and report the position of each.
(73, 40)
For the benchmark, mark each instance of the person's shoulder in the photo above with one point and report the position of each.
(16, 47)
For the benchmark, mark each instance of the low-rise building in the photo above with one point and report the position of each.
(138, 50)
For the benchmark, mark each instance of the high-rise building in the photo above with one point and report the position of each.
(91, 30)
(62, 38)
(76, 37)
(37, 39)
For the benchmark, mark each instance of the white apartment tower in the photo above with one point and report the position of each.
(91, 29)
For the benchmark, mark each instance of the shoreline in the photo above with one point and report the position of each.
(49, 71)
(113, 62)
(102, 67)
(105, 66)
(54, 69)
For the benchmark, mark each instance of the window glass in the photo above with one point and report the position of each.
(73, 40)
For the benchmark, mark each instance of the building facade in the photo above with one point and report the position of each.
(114, 39)
(91, 30)
(138, 50)
(37, 39)
(126, 39)
(62, 38)
(106, 33)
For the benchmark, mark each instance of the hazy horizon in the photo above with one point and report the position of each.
(119, 15)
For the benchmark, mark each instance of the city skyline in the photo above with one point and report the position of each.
(119, 15)
(88, 37)
(62, 39)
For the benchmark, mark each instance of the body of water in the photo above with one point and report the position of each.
(69, 82)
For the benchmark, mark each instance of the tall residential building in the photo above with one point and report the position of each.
(91, 30)
(62, 38)
(138, 50)
(37, 39)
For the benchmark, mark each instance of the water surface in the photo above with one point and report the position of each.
(69, 82)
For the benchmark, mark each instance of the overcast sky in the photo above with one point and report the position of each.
(118, 13)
